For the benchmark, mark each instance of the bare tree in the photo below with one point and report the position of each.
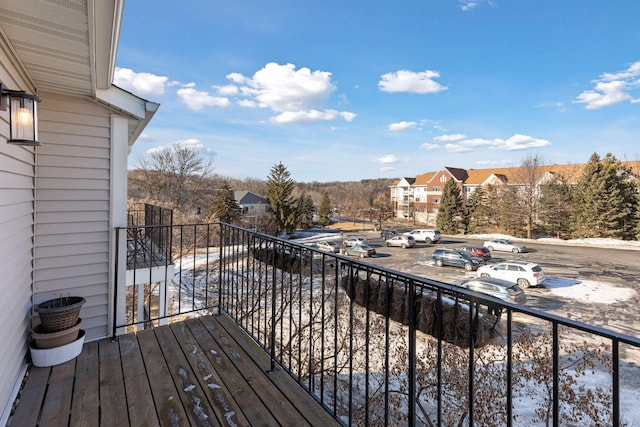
(175, 176)
(527, 177)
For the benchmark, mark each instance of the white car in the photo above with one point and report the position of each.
(424, 235)
(525, 274)
(355, 241)
(505, 246)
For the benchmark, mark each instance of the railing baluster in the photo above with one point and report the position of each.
(556, 374)
(411, 303)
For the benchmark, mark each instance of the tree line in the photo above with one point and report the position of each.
(178, 178)
(605, 203)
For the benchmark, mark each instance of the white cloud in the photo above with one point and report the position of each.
(305, 116)
(449, 138)
(400, 126)
(197, 100)
(612, 88)
(410, 81)
(557, 105)
(468, 4)
(457, 148)
(193, 143)
(296, 95)
(141, 84)
(227, 90)
(516, 142)
(348, 116)
(428, 146)
(388, 159)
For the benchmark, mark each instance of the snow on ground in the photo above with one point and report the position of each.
(611, 243)
(588, 291)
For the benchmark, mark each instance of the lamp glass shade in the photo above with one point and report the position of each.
(23, 121)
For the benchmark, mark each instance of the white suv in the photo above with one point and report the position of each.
(424, 235)
(525, 274)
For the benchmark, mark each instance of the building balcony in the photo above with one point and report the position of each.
(250, 329)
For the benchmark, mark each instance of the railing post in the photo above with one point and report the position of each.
(556, 379)
(272, 345)
(411, 302)
(220, 267)
(119, 282)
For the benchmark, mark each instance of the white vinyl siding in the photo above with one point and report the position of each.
(72, 203)
(16, 244)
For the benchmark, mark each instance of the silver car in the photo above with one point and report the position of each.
(328, 246)
(401, 241)
(505, 246)
(355, 241)
(497, 288)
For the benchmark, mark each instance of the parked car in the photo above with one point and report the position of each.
(424, 235)
(477, 251)
(497, 288)
(362, 250)
(456, 259)
(355, 241)
(505, 246)
(387, 234)
(525, 274)
(402, 241)
(328, 246)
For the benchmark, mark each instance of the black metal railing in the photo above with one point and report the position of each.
(379, 347)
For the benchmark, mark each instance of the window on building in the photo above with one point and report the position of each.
(436, 200)
(443, 178)
(436, 188)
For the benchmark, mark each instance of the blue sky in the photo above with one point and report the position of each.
(344, 90)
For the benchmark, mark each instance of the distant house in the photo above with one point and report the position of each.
(253, 207)
(419, 198)
(61, 202)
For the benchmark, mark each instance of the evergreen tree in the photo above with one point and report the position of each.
(306, 210)
(325, 210)
(280, 188)
(451, 209)
(555, 207)
(477, 211)
(604, 202)
(511, 212)
(224, 206)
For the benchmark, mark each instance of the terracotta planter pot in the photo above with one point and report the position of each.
(44, 339)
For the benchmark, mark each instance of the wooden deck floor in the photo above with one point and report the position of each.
(200, 372)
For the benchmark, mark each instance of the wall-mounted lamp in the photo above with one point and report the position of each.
(23, 115)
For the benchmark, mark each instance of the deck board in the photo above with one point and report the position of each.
(221, 398)
(168, 406)
(55, 411)
(201, 372)
(139, 397)
(86, 391)
(32, 396)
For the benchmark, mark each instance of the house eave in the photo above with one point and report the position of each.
(138, 110)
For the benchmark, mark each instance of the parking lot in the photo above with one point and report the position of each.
(596, 285)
